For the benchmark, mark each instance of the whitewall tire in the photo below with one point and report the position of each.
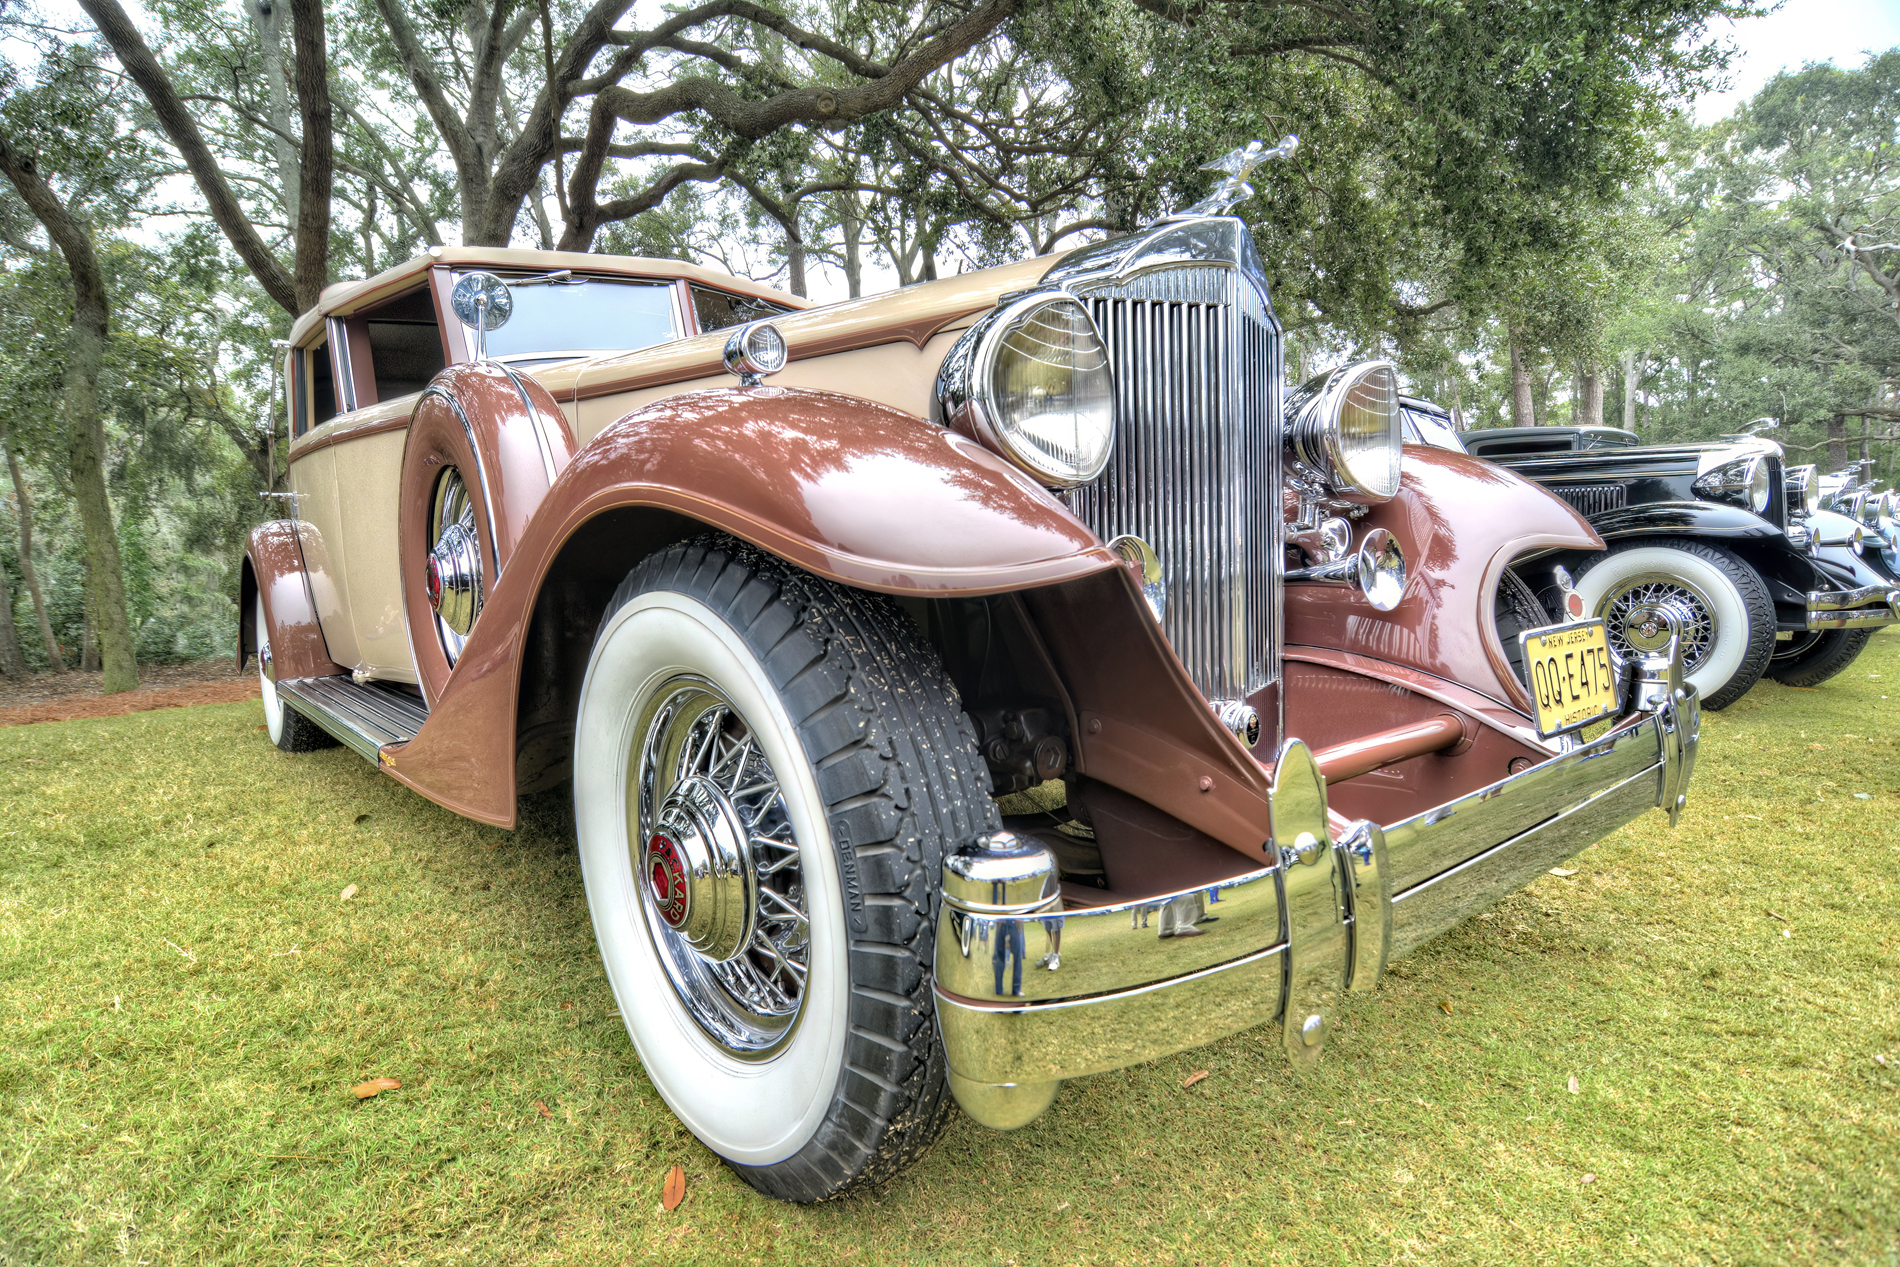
(288, 729)
(1727, 617)
(762, 823)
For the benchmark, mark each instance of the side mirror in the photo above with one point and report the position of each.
(482, 300)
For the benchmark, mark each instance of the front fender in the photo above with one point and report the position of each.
(841, 487)
(1702, 519)
(1460, 521)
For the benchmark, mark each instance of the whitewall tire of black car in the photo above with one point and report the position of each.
(1726, 613)
(768, 770)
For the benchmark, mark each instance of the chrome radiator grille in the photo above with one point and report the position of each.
(1196, 466)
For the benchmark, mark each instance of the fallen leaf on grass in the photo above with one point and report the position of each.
(375, 1086)
(1444, 1006)
(1574, 1088)
(568, 1006)
(674, 1190)
(1880, 1059)
(1563, 871)
(542, 1109)
(361, 817)
(348, 893)
(1588, 1179)
(1193, 1078)
(260, 728)
(1787, 932)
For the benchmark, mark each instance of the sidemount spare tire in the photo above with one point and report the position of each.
(1726, 614)
(484, 446)
(768, 772)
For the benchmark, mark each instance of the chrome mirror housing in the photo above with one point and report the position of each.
(481, 300)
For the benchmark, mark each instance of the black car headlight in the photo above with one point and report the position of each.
(1344, 427)
(1747, 482)
(1031, 381)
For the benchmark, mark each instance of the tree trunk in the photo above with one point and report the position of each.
(11, 663)
(27, 572)
(853, 226)
(1866, 438)
(88, 647)
(268, 18)
(1836, 442)
(80, 417)
(1522, 412)
(795, 261)
(317, 177)
(1592, 395)
(1634, 365)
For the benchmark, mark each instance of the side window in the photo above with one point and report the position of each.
(718, 309)
(322, 384)
(405, 344)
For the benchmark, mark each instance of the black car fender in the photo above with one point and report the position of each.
(1698, 519)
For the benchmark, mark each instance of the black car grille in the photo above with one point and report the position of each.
(1196, 466)
(1592, 499)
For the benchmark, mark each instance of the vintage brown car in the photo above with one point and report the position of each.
(962, 690)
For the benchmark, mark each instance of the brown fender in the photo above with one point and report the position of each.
(510, 441)
(1461, 522)
(274, 568)
(838, 486)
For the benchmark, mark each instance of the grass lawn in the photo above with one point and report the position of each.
(185, 1002)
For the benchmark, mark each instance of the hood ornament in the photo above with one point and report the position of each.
(1237, 164)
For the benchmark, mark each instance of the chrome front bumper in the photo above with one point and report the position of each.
(1025, 1002)
(1864, 608)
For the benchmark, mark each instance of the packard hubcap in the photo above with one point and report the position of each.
(452, 574)
(718, 868)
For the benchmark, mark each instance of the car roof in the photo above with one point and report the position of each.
(343, 298)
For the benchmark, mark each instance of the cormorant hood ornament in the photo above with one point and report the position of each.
(1237, 164)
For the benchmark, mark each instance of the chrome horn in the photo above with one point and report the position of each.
(1378, 569)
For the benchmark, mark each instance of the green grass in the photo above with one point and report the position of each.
(185, 1002)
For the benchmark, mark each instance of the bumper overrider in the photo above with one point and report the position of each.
(1029, 994)
(1863, 608)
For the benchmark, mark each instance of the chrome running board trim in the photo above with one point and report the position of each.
(363, 718)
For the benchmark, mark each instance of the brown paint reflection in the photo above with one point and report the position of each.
(848, 474)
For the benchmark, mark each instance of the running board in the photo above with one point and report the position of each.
(364, 718)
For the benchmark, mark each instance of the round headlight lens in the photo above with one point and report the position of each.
(1760, 485)
(1870, 509)
(1032, 381)
(1345, 426)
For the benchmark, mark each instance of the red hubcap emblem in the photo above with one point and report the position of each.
(666, 880)
(432, 583)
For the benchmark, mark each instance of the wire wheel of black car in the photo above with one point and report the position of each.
(452, 574)
(768, 771)
(1724, 616)
(1811, 658)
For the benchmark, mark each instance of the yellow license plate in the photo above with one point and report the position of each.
(1570, 675)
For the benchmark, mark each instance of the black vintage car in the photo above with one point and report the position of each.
(1719, 536)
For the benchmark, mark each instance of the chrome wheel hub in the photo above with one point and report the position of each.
(699, 870)
(1637, 614)
(718, 868)
(452, 574)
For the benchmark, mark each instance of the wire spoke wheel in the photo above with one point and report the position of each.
(723, 891)
(1633, 613)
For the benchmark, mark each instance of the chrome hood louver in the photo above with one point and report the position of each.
(1195, 470)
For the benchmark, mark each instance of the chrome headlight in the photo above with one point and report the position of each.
(1875, 507)
(1032, 382)
(1344, 426)
(1804, 489)
(1747, 482)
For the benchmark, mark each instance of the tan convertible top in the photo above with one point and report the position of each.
(343, 298)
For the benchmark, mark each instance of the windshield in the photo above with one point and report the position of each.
(585, 315)
(1432, 429)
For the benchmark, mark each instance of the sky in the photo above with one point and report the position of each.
(1839, 31)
